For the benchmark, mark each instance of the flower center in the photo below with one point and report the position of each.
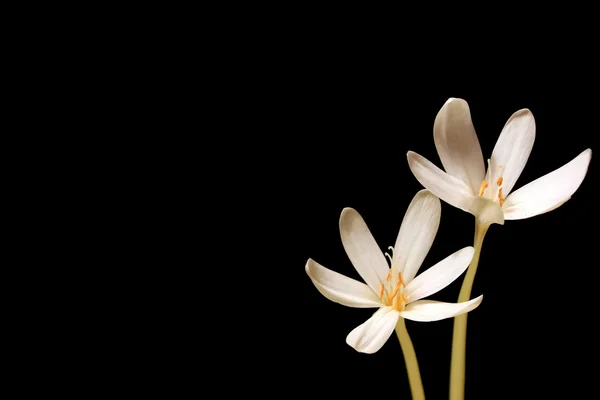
(391, 292)
(494, 192)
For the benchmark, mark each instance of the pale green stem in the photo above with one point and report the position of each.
(459, 337)
(410, 359)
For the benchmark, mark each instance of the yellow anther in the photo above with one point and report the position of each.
(500, 197)
(395, 292)
(400, 302)
(400, 279)
(400, 305)
(389, 275)
(381, 289)
(482, 188)
(500, 181)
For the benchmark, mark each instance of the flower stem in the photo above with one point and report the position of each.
(459, 337)
(410, 359)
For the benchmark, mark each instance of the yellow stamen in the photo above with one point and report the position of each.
(404, 298)
(395, 292)
(400, 279)
(381, 291)
(500, 197)
(400, 306)
(482, 188)
(389, 276)
(500, 181)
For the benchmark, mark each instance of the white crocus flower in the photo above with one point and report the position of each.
(468, 186)
(394, 290)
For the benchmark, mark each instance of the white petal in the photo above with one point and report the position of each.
(341, 289)
(457, 143)
(486, 210)
(429, 310)
(513, 148)
(440, 275)
(448, 188)
(548, 192)
(363, 251)
(418, 229)
(372, 335)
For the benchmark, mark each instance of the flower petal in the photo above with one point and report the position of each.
(448, 188)
(363, 251)
(440, 275)
(418, 229)
(339, 288)
(372, 335)
(513, 148)
(429, 310)
(548, 192)
(457, 144)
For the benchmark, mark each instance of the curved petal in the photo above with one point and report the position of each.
(548, 192)
(457, 144)
(418, 229)
(440, 275)
(339, 288)
(486, 210)
(362, 250)
(513, 148)
(372, 335)
(429, 310)
(448, 188)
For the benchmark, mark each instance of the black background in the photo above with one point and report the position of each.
(344, 116)
(295, 116)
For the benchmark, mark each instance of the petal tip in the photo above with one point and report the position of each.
(347, 211)
(450, 100)
(428, 197)
(469, 250)
(477, 301)
(425, 192)
(351, 341)
(413, 157)
(455, 103)
(473, 303)
(523, 113)
(307, 266)
(454, 100)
